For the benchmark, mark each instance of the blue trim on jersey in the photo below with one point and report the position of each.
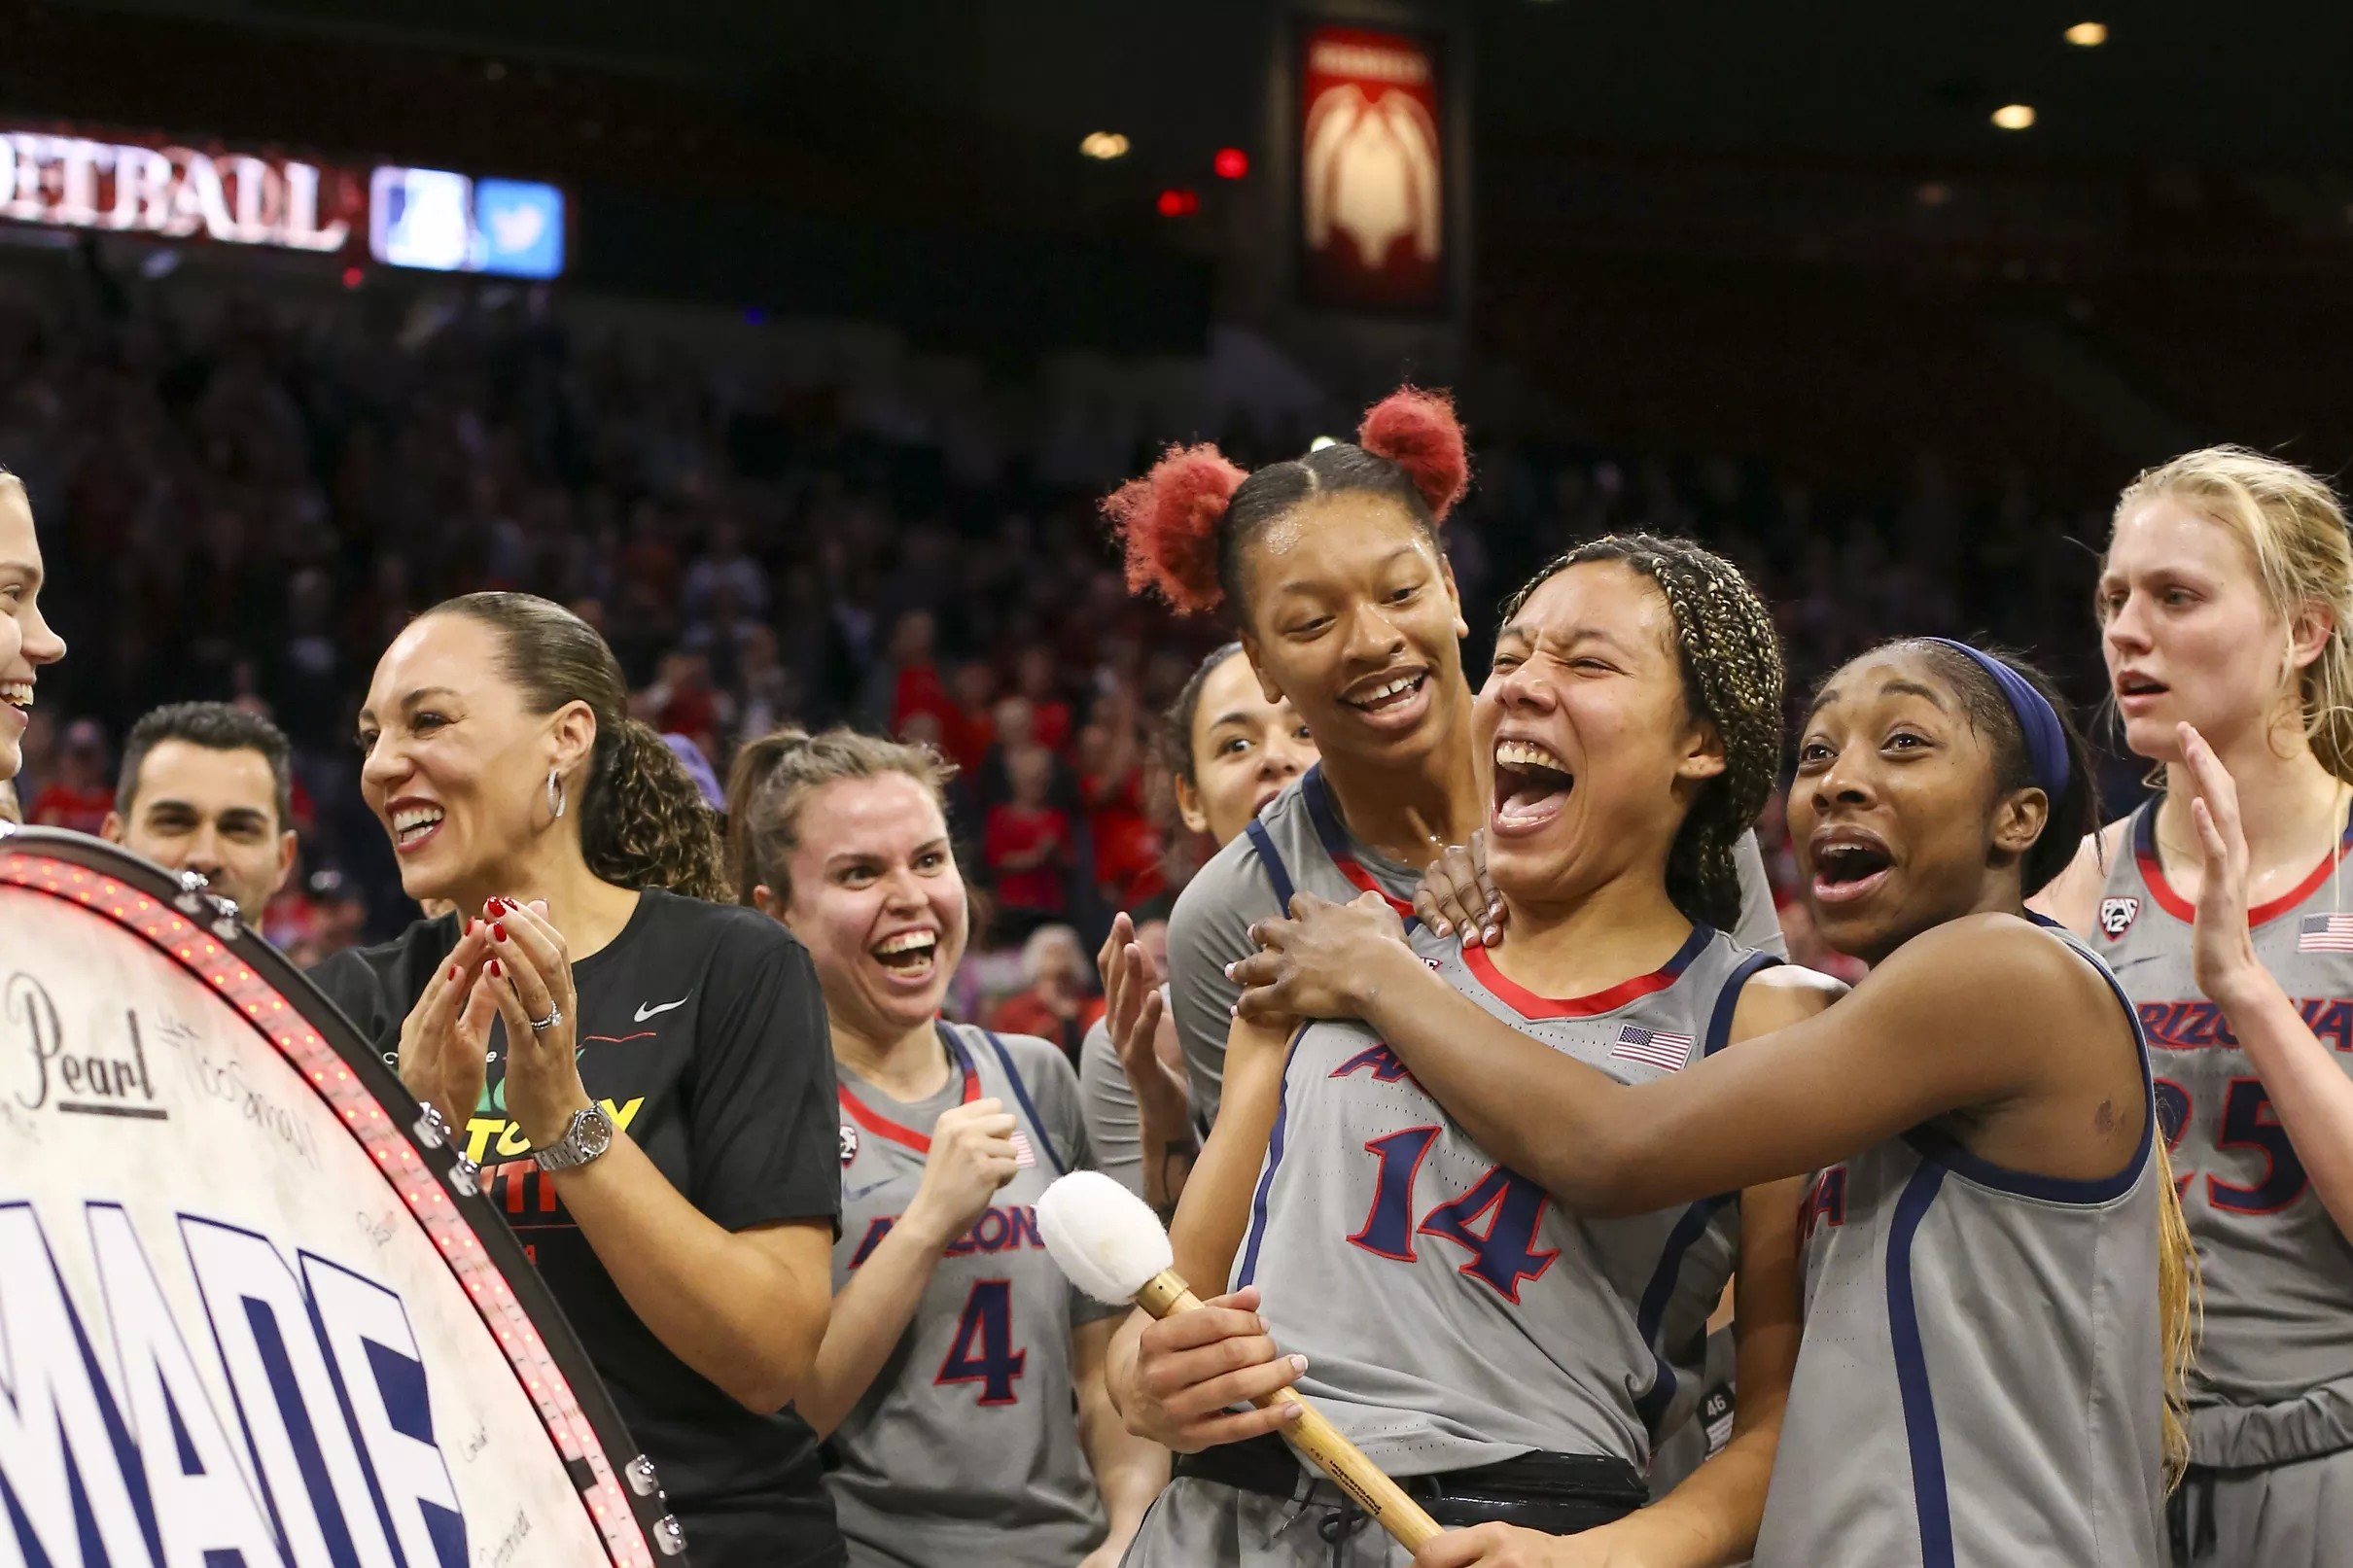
(1266, 1177)
(1021, 1092)
(1652, 1405)
(1941, 1148)
(1272, 859)
(1321, 816)
(1727, 1000)
(1929, 1501)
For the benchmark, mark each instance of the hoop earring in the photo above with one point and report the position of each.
(555, 792)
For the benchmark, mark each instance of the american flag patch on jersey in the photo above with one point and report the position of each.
(2325, 933)
(1023, 1157)
(1653, 1048)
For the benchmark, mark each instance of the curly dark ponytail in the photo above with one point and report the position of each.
(1732, 677)
(643, 822)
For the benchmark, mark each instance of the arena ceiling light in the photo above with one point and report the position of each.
(2088, 34)
(1104, 146)
(2014, 115)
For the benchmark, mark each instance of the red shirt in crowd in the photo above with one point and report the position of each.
(1028, 1013)
(1015, 832)
(1127, 846)
(84, 810)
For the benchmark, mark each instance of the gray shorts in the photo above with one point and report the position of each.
(1201, 1523)
(2297, 1515)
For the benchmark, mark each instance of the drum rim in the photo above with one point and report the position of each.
(482, 1216)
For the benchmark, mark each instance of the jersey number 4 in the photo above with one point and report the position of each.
(982, 1351)
(1502, 1254)
(2248, 1122)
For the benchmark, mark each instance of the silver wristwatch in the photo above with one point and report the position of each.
(588, 1137)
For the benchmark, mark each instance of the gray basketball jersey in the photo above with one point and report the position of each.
(2274, 1379)
(1451, 1314)
(1299, 843)
(1981, 1384)
(965, 1447)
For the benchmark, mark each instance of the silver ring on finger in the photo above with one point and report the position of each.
(556, 1016)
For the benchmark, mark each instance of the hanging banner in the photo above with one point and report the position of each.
(1372, 182)
(150, 186)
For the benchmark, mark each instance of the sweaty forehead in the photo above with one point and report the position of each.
(1333, 534)
(1606, 599)
(2165, 533)
(1881, 679)
(885, 814)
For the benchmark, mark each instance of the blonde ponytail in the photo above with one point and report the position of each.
(2179, 1311)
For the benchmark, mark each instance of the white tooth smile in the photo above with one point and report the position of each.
(907, 942)
(1383, 692)
(415, 821)
(17, 693)
(1527, 754)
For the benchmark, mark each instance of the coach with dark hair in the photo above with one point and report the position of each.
(207, 787)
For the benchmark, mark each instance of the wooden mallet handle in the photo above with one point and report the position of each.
(1382, 1500)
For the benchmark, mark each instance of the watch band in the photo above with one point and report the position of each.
(586, 1139)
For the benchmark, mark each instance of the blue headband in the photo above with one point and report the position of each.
(2037, 720)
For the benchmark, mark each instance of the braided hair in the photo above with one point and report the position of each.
(1184, 525)
(1731, 659)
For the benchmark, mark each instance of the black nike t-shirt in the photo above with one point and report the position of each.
(702, 1033)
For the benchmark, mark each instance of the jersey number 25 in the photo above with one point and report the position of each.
(2248, 1122)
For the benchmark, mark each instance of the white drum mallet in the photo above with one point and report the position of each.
(1112, 1246)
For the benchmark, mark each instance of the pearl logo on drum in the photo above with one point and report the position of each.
(101, 1082)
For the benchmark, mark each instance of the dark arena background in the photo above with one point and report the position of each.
(795, 349)
(850, 322)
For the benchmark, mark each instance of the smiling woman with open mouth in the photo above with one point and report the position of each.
(960, 1380)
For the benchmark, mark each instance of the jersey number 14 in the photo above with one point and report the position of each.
(1510, 1206)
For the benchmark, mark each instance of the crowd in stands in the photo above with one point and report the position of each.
(244, 498)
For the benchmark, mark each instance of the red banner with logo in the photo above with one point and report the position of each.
(1372, 181)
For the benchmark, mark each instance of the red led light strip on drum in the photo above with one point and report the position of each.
(204, 956)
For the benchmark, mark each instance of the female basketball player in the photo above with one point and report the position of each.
(961, 1377)
(1997, 1284)
(1230, 750)
(2227, 612)
(26, 641)
(1515, 1360)
(1330, 572)
(643, 1072)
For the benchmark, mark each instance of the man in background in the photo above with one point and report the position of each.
(207, 787)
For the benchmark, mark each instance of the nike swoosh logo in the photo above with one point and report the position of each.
(644, 1011)
(2128, 963)
(857, 1193)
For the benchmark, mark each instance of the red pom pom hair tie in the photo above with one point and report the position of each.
(1167, 522)
(1418, 430)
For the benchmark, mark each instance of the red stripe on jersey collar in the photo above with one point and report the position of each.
(2153, 873)
(882, 1127)
(1334, 837)
(1527, 1004)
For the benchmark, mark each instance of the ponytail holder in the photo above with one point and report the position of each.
(2037, 720)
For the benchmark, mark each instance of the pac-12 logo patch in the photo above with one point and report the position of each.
(2117, 916)
(848, 1143)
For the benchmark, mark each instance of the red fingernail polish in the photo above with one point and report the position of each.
(495, 972)
(453, 971)
(499, 933)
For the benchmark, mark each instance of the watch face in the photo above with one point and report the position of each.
(595, 1133)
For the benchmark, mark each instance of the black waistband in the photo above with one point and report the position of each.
(1557, 1493)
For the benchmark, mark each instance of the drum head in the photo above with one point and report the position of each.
(251, 1309)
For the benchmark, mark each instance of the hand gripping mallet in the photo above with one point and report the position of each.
(1111, 1245)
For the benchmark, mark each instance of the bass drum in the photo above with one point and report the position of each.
(252, 1310)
